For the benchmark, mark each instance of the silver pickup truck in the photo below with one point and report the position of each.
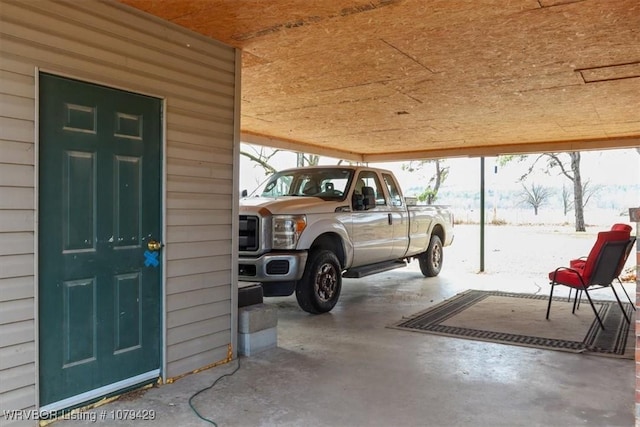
(306, 228)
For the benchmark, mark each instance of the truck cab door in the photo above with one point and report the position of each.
(372, 225)
(398, 216)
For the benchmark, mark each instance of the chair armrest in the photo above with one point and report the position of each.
(578, 273)
(578, 262)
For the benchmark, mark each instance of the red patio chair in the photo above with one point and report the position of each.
(598, 271)
(574, 263)
(579, 262)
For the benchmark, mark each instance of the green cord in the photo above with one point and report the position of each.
(208, 388)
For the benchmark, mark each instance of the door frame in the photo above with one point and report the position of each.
(82, 397)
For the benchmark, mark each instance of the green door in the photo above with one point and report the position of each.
(99, 207)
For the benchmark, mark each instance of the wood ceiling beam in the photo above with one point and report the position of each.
(496, 150)
(297, 146)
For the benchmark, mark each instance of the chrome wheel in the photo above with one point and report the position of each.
(436, 257)
(326, 282)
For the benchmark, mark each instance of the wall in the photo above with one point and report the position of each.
(634, 216)
(111, 44)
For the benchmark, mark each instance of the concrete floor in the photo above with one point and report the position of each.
(345, 368)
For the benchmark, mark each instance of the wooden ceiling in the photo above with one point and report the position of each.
(404, 79)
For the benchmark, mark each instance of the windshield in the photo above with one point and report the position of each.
(326, 183)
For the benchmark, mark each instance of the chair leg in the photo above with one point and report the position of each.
(593, 307)
(625, 292)
(624, 313)
(576, 302)
(550, 295)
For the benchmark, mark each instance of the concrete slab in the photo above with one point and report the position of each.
(345, 368)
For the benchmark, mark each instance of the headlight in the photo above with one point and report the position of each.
(287, 230)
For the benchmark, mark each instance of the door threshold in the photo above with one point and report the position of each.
(75, 401)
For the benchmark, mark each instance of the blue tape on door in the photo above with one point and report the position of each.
(151, 259)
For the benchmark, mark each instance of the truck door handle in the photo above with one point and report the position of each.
(390, 219)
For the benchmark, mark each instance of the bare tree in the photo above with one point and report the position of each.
(567, 200)
(535, 196)
(570, 168)
(589, 190)
(430, 193)
(573, 174)
(311, 159)
(260, 155)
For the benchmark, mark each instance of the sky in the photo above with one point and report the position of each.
(613, 167)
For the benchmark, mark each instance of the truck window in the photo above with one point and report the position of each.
(277, 187)
(334, 185)
(327, 183)
(396, 198)
(370, 179)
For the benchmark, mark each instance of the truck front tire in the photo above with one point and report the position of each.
(431, 260)
(319, 288)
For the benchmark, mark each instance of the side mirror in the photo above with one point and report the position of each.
(369, 196)
(357, 202)
(244, 193)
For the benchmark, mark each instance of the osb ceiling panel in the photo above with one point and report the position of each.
(398, 79)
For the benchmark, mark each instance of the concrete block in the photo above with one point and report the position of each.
(257, 317)
(254, 343)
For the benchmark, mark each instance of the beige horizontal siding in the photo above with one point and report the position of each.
(188, 250)
(16, 378)
(199, 168)
(17, 355)
(188, 266)
(198, 233)
(197, 281)
(20, 398)
(198, 216)
(18, 107)
(184, 365)
(16, 311)
(15, 152)
(15, 288)
(17, 332)
(108, 43)
(15, 82)
(206, 295)
(17, 175)
(196, 346)
(198, 329)
(16, 220)
(16, 243)
(177, 200)
(16, 266)
(16, 198)
(194, 149)
(193, 314)
(18, 130)
(190, 184)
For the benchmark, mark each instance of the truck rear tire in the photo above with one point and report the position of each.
(431, 260)
(319, 288)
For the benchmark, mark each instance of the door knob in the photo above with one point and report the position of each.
(154, 245)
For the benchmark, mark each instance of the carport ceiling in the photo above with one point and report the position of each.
(397, 79)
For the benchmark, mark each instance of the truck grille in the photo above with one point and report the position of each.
(249, 232)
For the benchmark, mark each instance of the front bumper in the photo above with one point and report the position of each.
(272, 267)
